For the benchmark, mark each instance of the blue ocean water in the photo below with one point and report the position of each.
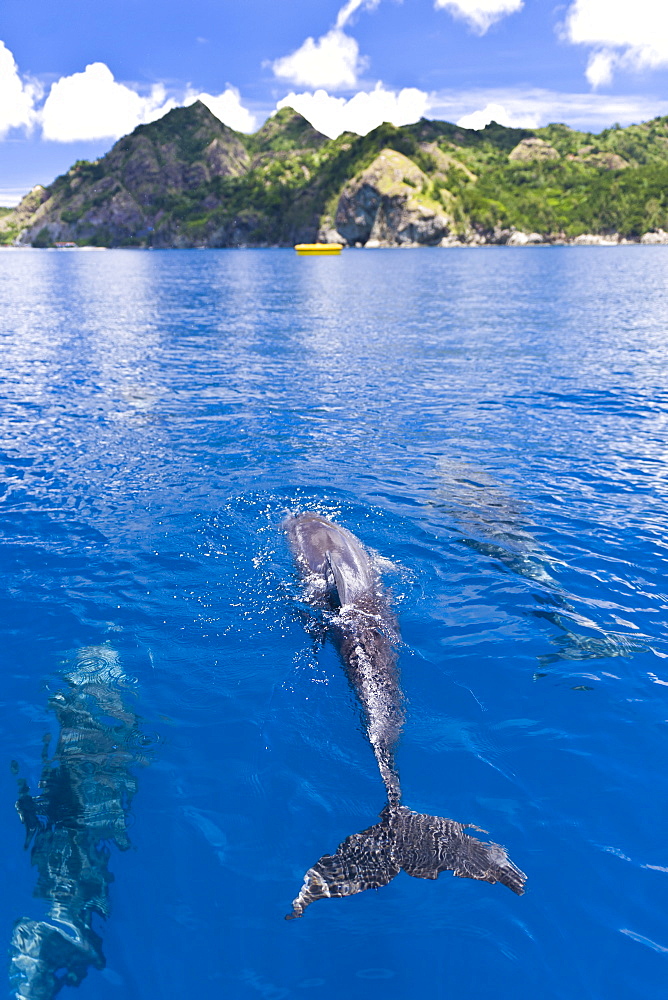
(494, 425)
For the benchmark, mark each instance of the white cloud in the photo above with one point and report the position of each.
(480, 14)
(362, 112)
(333, 61)
(587, 111)
(350, 8)
(92, 105)
(227, 107)
(642, 24)
(623, 35)
(498, 113)
(599, 69)
(10, 197)
(520, 108)
(17, 98)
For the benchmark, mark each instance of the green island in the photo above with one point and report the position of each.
(187, 180)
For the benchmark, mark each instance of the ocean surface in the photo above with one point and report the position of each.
(493, 424)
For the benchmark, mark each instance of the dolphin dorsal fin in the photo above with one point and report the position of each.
(346, 577)
(334, 567)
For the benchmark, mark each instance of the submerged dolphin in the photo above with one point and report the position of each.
(82, 806)
(342, 582)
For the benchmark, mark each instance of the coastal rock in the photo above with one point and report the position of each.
(657, 236)
(329, 235)
(528, 150)
(596, 240)
(386, 203)
(520, 239)
(457, 240)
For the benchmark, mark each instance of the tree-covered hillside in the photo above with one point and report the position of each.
(188, 180)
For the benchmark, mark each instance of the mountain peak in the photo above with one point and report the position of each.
(185, 121)
(287, 130)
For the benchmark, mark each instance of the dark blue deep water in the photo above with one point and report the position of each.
(494, 424)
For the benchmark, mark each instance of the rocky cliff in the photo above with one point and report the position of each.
(387, 205)
(188, 180)
(122, 198)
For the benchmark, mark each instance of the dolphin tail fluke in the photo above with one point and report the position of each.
(363, 861)
(427, 845)
(421, 845)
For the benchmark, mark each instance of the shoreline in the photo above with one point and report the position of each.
(587, 240)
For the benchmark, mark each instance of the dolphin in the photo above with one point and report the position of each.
(82, 806)
(343, 585)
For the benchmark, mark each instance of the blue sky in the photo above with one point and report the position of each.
(76, 75)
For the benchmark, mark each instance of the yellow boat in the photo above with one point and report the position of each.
(321, 249)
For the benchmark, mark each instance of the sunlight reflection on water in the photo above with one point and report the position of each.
(493, 424)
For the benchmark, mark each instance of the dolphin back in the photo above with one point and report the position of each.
(333, 555)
